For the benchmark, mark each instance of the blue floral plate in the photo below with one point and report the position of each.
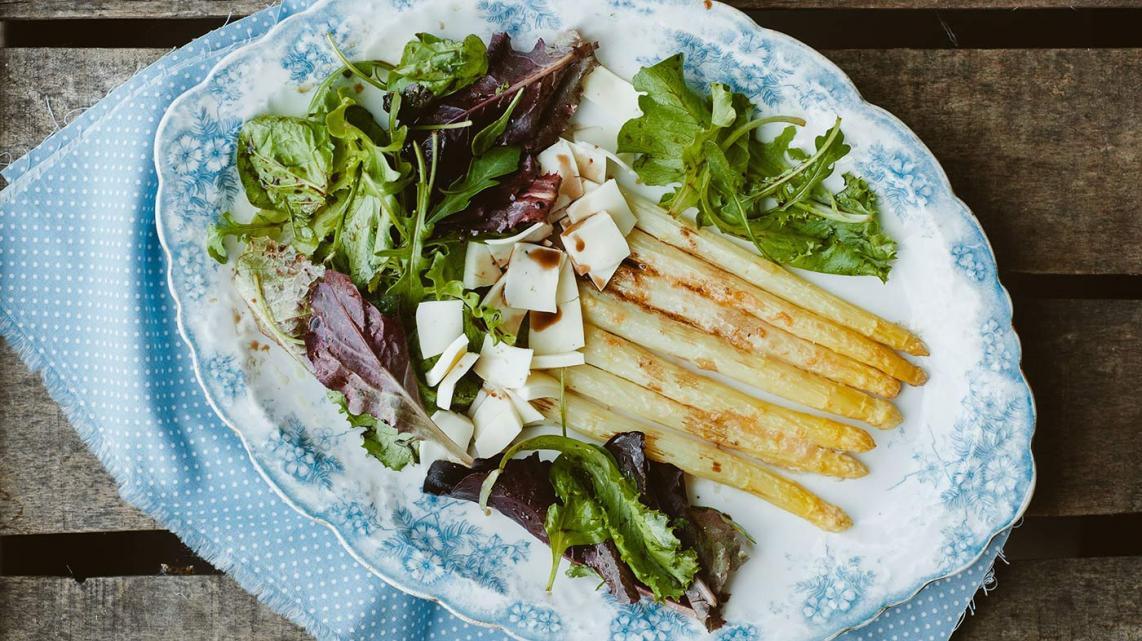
(956, 473)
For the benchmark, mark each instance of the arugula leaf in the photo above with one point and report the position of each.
(673, 116)
(439, 65)
(644, 536)
(284, 163)
(577, 520)
(486, 137)
(482, 174)
(444, 275)
(390, 447)
(769, 193)
(265, 223)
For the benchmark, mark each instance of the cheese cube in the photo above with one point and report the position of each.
(480, 268)
(510, 318)
(600, 277)
(447, 388)
(555, 361)
(456, 426)
(527, 414)
(503, 365)
(606, 198)
(438, 323)
(532, 277)
(611, 92)
(559, 332)
(501, 248)
(595, 244)
(568, 288)
(560, 159)
(539, 385)
(497, 423)
(448, 358)
(591, 161)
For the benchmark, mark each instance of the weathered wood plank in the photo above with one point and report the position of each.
(1063, 600)
(1084, 359)
(49, 481)
(1030, 139)
(189, 608)
(46, 9)
(1027, 136)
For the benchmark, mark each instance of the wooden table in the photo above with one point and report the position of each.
(1037, 116)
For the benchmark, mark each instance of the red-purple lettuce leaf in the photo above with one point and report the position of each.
(356, 350)
(520, 199)
(550, 78)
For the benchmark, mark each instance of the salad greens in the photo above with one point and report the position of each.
(598, 498)
(770, 193)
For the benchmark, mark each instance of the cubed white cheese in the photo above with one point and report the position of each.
(510, 318)
(555, 361)
(600, 277)
(532, 277)
(447, 388)
(595, 244)
(588, 187)
(611, 92)
(503, 365)
(606, 198)
(559, 332)
(595, 124)
(481, 396)
(497, 424)
(560, 159)
(480, 269)
(456, 426)
(591, 160)
(527, 414)
(539, 385)
(438, 323)
(568, 285)
(448, 359)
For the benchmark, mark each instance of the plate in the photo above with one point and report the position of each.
(957, 472)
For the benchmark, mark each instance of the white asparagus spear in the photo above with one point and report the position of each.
(700, 459)
(656, 332)
(776, 449)
(647, 288)
(715, 248)
(623, 358)
(723, 287)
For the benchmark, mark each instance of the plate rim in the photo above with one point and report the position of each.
(1006, 309)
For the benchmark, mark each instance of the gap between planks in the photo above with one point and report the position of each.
(834, 27)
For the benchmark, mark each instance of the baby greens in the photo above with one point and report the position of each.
(598, 500)
(770, 193)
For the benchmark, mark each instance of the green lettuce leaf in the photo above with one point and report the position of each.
(392, 448)
(439, 65)
(644, 536)
(577, 520)
(266, 223)
(284, 163)
(482, 174)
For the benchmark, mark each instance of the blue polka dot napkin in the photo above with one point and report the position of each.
(83, 298)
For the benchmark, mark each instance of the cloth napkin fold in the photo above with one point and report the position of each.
(83, 298)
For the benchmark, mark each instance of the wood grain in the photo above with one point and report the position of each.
(1084, 361)
(1037, 142)
(188, 608)
(49, 481)
(46, 9)
(1061, 600)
